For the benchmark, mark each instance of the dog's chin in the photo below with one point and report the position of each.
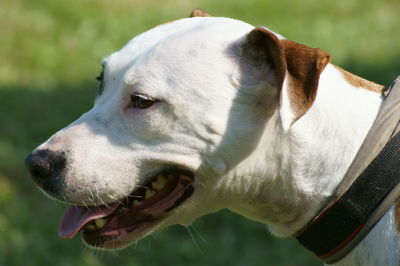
(118, 224)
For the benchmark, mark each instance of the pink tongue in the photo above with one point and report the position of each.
(77, 216)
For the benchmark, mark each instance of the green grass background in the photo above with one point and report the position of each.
(50, 52)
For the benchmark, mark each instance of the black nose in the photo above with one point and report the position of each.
(47, 169)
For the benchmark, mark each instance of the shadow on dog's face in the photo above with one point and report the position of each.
(172, 119)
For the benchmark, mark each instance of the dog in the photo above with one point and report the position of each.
(205, 113)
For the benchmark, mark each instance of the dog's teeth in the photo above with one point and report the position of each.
(136, 203)
(159, 183)
(91, 227)
(100, 222)
(149, 194)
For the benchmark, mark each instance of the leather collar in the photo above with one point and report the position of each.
(369, 188)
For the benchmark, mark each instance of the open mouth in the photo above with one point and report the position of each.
(115, 225)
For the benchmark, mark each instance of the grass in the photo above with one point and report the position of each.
(50, 53)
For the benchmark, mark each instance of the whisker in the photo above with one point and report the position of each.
(84, 204)
(195, 242)
(133, 196)
(140, 186)
(199, 235)
(91, 198)
(115, 199)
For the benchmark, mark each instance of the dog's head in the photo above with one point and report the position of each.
(179, 110)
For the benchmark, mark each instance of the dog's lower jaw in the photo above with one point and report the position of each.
(116, 225)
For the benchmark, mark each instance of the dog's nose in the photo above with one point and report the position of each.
(46, 166)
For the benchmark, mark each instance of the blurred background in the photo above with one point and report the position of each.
(50, 54)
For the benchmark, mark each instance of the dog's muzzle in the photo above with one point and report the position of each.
(115, 224)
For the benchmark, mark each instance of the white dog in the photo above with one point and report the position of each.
(205, 113)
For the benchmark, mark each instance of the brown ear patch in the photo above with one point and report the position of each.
(199, 13)
(296, 67)
(359, 82)
(304, 65)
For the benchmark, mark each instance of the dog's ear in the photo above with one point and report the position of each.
(199, 13)
(295, 71)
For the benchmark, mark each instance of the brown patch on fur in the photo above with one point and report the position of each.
(305, 66)
(359, 82)
(397, 215)
(302, 64)
(199, 13)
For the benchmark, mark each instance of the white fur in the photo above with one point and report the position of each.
(246, 159)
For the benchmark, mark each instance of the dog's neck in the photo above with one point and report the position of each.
(294, 173)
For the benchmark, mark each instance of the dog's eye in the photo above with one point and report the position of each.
(141, 102)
